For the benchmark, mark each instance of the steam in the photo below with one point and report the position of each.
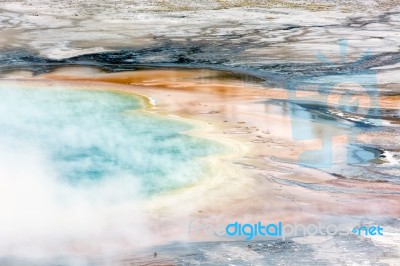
(41, 217)
(76, 168)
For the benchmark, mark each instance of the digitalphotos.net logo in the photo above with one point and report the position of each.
(279, 230)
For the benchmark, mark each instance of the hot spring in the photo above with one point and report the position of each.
(85, 160)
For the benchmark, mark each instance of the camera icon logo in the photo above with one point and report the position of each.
(346, 91)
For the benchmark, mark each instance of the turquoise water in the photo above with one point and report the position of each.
(92, 135)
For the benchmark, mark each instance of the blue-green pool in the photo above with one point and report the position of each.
(93, 135)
